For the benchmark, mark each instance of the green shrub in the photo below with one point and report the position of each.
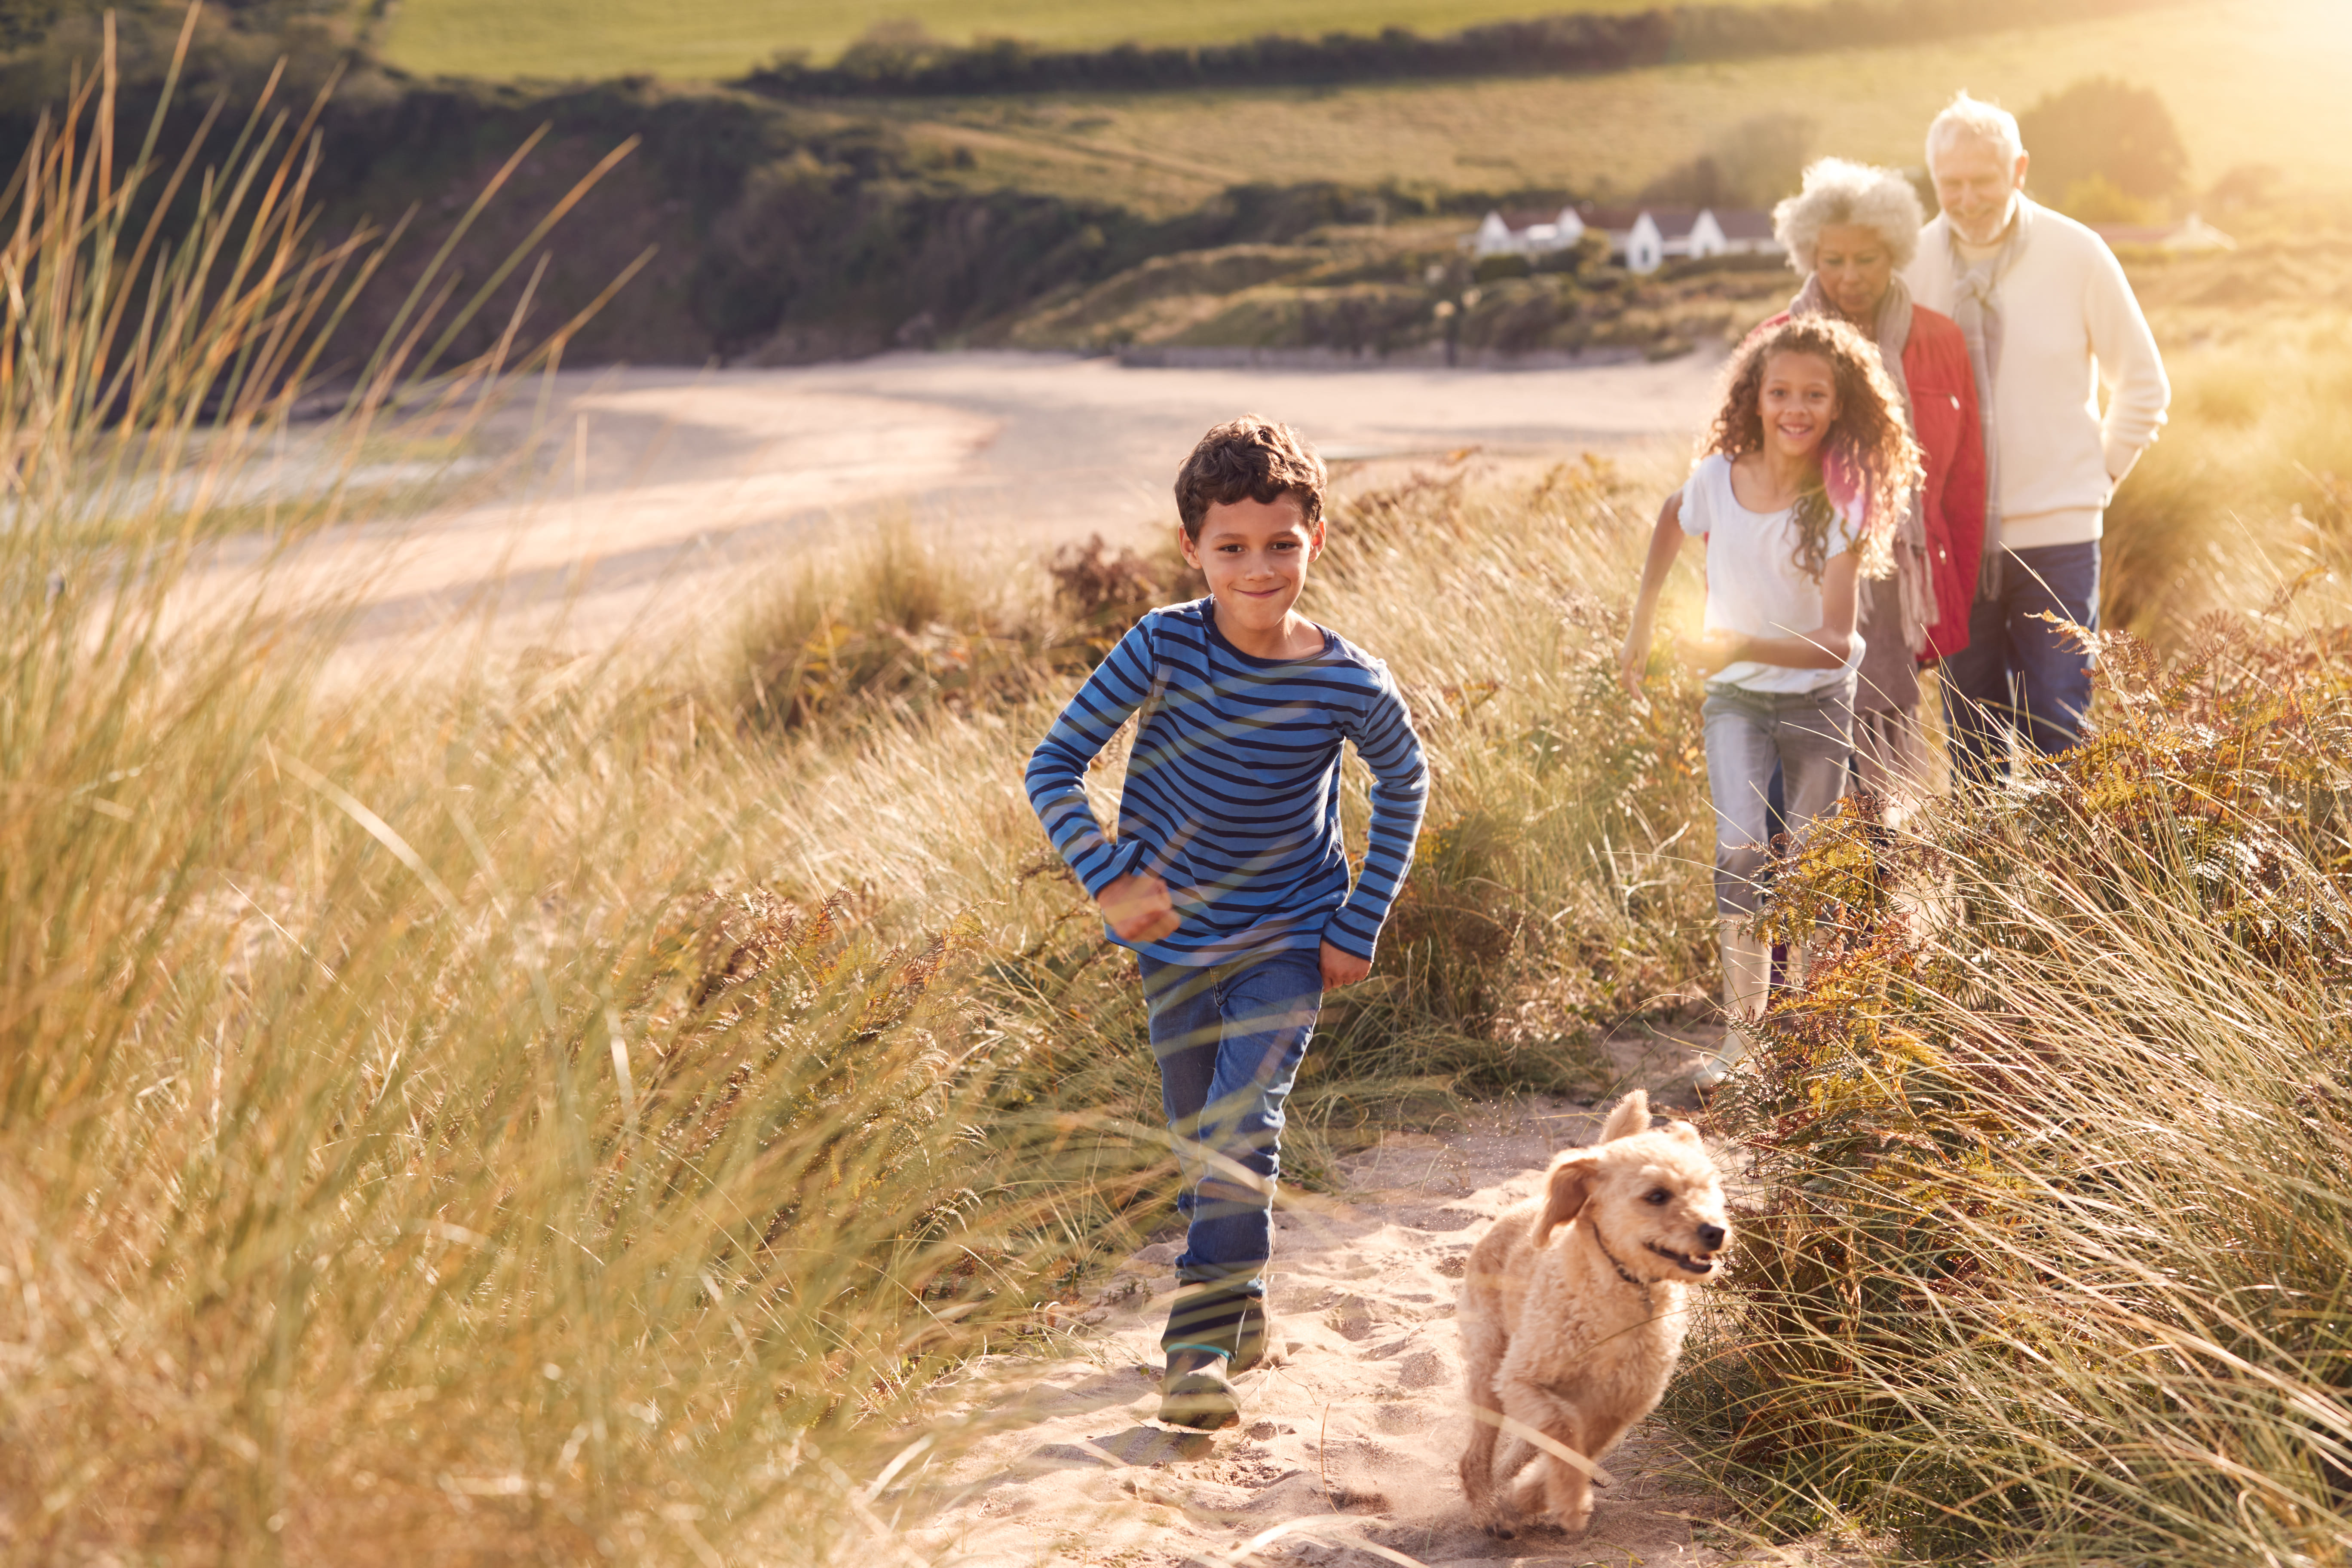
(2104, 132)
(1495, 269)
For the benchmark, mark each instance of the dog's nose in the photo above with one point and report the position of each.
(1710, 1236)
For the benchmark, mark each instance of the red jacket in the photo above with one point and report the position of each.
(1944, 415)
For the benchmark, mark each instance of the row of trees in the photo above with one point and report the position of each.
(2103, 149)
(900, 58)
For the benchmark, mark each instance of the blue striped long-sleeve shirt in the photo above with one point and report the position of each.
(1232, 788)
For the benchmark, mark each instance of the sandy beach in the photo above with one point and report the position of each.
(595, 506)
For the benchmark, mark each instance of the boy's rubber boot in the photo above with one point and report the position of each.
(1198, 1393)
(1254, 1339)
(1747, 982)
(1202, 1334)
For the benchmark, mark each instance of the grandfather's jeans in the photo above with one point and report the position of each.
(1229, 1039)
(1808, 735)
(2020, 673)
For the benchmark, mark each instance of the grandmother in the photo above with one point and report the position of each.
(1851, 231)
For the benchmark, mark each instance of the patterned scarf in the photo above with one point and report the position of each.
(1976, 306)
(1913, 598)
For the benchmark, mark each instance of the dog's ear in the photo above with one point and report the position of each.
(1632, 1116)
(1572, 1182)
(1686, 1132)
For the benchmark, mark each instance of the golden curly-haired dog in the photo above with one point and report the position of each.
(1573, 1308)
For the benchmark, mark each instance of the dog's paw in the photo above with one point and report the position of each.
(1497, 1517)
(1570, 1525)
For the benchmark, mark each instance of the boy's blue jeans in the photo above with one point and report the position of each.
(1229, 1039)
(2021, 673)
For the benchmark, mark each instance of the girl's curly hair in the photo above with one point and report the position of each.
(1868, 455)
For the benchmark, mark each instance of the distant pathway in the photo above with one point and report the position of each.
(634, 498)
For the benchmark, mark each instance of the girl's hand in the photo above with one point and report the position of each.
(1634, 659)
(1342, 968)
(1138, 907)
(1713, 651)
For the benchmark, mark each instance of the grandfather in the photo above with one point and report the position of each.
(2049, 320)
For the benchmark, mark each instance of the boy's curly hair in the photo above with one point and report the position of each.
(1249, 458)
(1868, 449)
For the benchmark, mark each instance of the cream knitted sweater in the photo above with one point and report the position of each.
(2070, 326)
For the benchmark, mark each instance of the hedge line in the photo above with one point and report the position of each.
(1574, 43)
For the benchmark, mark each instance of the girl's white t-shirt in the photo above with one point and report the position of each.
(1753, 585)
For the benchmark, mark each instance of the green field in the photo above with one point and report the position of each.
(2250, 81)
(565, 38)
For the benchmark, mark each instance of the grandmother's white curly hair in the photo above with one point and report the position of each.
(1840, 191)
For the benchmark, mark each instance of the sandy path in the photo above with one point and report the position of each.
(1356, 1436)
(603, 505)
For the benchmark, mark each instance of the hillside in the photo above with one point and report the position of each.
(554, 40)
(775, 229)
(2250, 81)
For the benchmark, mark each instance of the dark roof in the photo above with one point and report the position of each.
(1528, 217)
(1615, 219)
(1743, 222)
(1671, 221)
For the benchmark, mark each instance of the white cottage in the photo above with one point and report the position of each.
(1644, 239)
(1641, 239)
(1526, 234)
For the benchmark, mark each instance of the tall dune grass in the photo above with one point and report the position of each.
(420, 1132)
(2249, 482)
(2055, 1263)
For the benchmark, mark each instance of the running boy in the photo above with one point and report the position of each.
(1228, 876)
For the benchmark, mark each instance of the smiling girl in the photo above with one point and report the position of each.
(1784, 555)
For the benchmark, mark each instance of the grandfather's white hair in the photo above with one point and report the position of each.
(1838, 191)
(1967, 119)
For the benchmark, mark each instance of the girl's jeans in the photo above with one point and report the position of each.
(1229, 1039)
(1809, 735)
